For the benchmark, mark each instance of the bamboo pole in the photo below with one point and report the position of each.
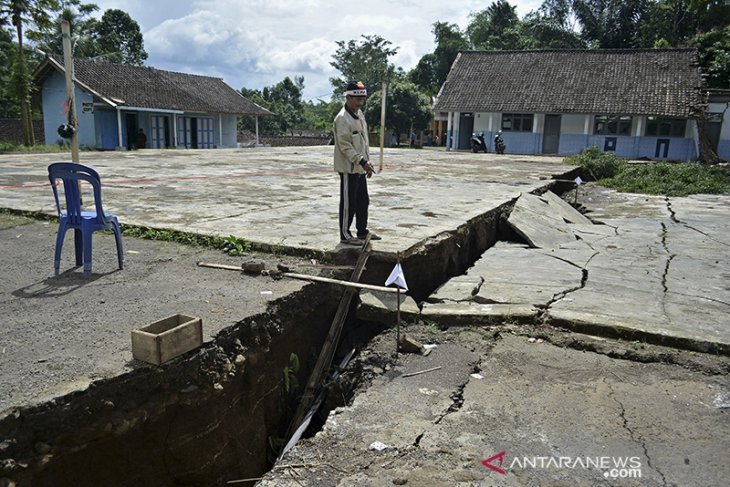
(382, 127)
(68, 65)
(357, 285)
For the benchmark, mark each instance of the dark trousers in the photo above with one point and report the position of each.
(354, 202)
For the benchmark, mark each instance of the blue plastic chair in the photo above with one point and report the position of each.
(84, 222)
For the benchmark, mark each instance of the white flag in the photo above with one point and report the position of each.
(396, 277)
(578, 181)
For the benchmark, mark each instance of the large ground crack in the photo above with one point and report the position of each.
(457, 397)
(543, 314)
(635, 437)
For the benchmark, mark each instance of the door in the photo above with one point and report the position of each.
(466, 128)
(205, 133)
(551, 135)
(157, 126)
(132, 127)
(184, 132)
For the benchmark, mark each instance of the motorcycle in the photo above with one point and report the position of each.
(499, 146)
(478, 143)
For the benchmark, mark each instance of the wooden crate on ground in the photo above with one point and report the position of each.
(168, 338)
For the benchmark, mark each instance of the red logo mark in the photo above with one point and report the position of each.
(488, 463)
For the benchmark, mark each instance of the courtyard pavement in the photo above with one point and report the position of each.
(662, 272)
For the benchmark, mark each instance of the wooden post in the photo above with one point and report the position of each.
(397, 312)
(382, 127)
(68, 64)
(330, 345)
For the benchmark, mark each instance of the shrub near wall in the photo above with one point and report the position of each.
(11, 130)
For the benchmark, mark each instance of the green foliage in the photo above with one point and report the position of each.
(365, 60)
(118, 38)
(235, 245)
(231, 244)
(284, 100)
(291, 383)
(714, 48)
(6, 147)
(494, 28)
(596, 164)
(670, 179)
(665, 178)
(405, 107)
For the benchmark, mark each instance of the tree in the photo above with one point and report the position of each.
(286, 103)
(366, 61)
(551, 27)
(119, 38)
(405, 108)
(48, 38)
(611, 24)
(673, 23)
(449, 42)
(284, 100)
(22, 13)
(714, 49)
(495, 28)
(9, 106)
(319, 116)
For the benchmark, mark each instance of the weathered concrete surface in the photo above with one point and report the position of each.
(60, 334)
(287, 196)
(643, 274)
(533, 401)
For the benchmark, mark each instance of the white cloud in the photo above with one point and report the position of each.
(256, 43)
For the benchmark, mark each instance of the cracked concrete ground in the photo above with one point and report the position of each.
(548, 410)
(654, 269)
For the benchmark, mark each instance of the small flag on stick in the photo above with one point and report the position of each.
(397, 277)
(578, 182)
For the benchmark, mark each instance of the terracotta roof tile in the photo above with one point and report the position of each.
(662, 82)
(146, 87)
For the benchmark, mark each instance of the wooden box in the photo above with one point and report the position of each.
(163, 340)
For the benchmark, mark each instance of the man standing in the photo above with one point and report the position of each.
(352, 162)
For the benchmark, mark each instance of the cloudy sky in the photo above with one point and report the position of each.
(256, 43)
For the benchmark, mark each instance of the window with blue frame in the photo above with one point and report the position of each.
(517, 122)
(612, 125)
(666, 127)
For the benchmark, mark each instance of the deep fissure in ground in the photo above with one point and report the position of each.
(220, 413)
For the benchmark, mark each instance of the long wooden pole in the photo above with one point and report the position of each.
(382, 127)
(68, 64)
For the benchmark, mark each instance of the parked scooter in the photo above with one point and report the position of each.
(499, 146)
(477, 143)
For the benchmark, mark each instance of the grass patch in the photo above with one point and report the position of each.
(9, 147)
(657, 178)
(596, 164)
(231, 245)
(670, 179)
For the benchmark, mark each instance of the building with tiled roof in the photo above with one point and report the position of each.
(115, 101)
(634, 102)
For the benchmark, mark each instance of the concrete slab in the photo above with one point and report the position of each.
(645, 274)
(532, 402)
(287, 196)
(536, 221)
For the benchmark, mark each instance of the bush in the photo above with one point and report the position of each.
(6, 147)
(670, 179)
(596, 164)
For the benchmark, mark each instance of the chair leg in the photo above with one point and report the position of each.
(59, 246)
(87, 234)
(78, 246)
(120, 245)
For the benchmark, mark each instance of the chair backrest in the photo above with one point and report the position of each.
(71, 173)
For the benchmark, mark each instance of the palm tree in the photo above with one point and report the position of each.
(22, 13)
